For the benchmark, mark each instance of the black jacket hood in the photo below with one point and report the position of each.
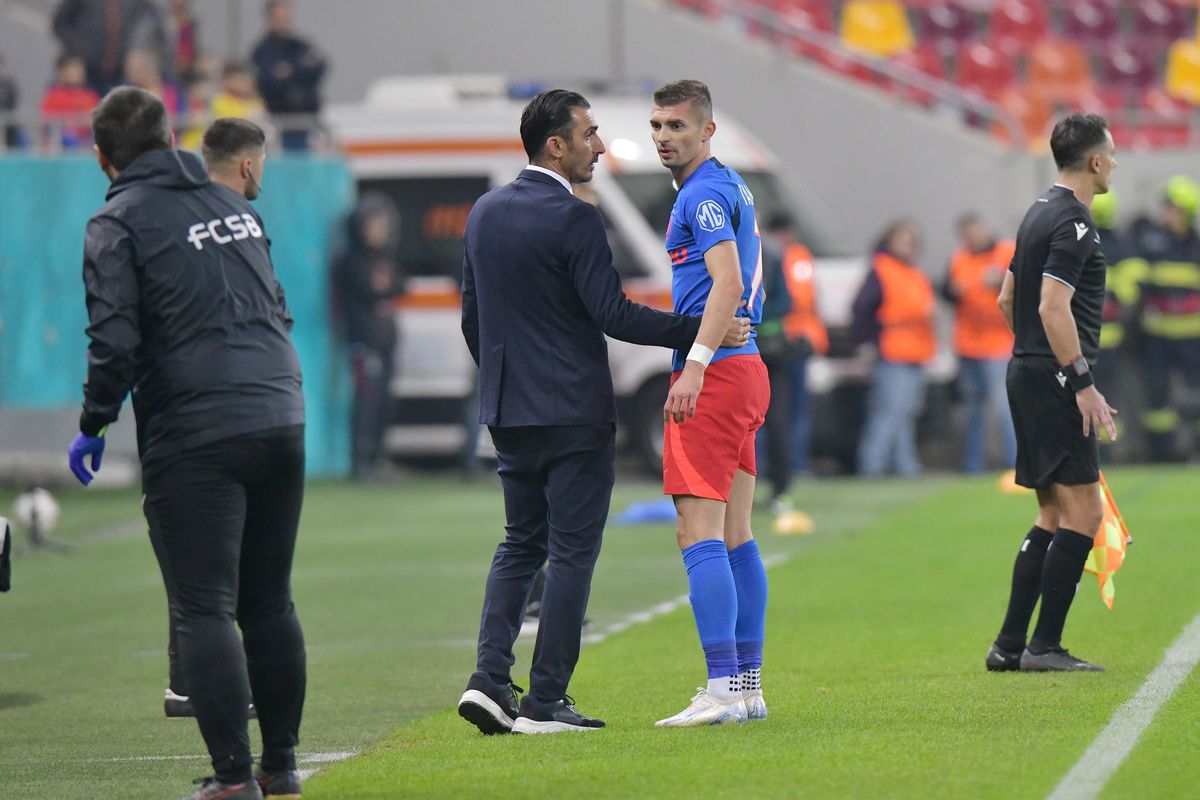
(170, 169)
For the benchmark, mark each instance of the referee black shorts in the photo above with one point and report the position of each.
(1051, 447)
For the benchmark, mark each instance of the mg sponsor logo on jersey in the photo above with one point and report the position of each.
(239, 227)
(710, 216)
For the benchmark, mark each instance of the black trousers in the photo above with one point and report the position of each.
(372, 370)
(777, 427)
(223, 520)
(557, 488)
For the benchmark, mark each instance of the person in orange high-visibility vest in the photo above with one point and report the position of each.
(982, 340)
(894, 308)
(790, 331)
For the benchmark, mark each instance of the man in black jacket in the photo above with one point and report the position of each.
(290, 71)
(539, 294)
(186, 313)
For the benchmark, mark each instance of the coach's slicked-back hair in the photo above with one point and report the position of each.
(229, 137)
(1074, 137)
(548, 114)
(129, 122)
(686, 91)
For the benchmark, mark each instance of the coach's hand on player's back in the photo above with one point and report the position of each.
(738, 333)
(1097, 413)
(681, 400)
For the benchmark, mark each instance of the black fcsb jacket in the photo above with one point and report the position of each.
(185, 311)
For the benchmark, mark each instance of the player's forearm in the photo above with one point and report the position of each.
(1060, 332)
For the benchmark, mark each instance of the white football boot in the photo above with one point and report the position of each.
(756, 707)
(706, 710)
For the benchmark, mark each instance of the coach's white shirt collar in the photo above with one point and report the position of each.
(566, 184)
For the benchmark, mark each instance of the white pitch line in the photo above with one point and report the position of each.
(1114, 744)
(302, 758)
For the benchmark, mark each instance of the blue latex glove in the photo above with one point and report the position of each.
(80, 448)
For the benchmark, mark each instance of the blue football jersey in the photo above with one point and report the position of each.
(714, 205)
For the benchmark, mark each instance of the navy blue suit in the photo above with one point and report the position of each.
(539, 294)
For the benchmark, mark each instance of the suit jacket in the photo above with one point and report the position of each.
(539, 294)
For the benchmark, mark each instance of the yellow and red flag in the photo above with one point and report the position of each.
(1108, 552)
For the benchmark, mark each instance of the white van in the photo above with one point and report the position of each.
(434, 145)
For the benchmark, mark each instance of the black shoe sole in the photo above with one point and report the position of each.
(482, 719)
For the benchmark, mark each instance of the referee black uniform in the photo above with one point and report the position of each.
(1053, 297)
(187, 315)
(1059, 240)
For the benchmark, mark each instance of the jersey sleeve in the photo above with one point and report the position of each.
(709, 215)
(1072, 242)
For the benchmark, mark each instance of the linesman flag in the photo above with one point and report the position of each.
(1108, 552)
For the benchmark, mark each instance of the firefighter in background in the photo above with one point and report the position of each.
(1120, 300)
(1167, 272)
(982, 340)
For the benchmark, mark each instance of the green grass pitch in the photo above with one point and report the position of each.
(874, 674)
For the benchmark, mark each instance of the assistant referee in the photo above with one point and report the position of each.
(1052, 297)
(186, 313)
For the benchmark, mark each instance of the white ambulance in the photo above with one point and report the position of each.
(434, 145)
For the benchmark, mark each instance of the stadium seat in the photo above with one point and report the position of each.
(1033, 112)
(1058, 70)
(1126, 67)
(945, 25)
(1157, 101)
(879, 27)
(983, 69)
(1183, 70)
(1160, 21)
(814, 17)
(927, 60)
(1092, 23)
(1016, 25)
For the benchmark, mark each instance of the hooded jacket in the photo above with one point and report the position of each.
(185, 310)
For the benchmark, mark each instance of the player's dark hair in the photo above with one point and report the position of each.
(129, 122)
(686, 91)
(548, 114)
(230, 137)
(1075, 137)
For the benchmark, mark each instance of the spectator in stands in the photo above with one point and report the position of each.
(196, 114)
(104, 33)
(290, 71)
(894, 309)
(789, 333)
(8, 103)
(982, 339)
(367, 280)
(185, 33)
(238, 96)
(143, 71)
(68, 102)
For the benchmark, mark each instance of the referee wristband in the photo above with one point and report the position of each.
(1078, 374)
(701, 354)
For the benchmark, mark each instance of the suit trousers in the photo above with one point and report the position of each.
(557, 483)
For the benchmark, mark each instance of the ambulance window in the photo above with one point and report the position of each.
(623, 258)
(433, 214)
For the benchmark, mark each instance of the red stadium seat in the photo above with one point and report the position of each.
(1016, 25)
(945, 25)
(1160, 21)
(1058, 70)
(1155, 101)
(816, 17)
(983, 69)
(1092, 23)
(1129, 67)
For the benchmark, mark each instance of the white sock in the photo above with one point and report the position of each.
(724, 690)
(750, 680)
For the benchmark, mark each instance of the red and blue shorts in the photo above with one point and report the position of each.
(701, 455)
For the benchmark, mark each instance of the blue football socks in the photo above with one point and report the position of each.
(750, 579)
(714, 604)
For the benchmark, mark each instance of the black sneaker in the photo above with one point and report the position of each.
(1002, 660)
(553, 718)
(213, 789)
(489, 706)
(1055, 659)
(285, 783)
(178, 706)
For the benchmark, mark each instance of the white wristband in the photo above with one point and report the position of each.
(700, 354)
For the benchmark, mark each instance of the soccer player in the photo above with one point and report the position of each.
(187, 315)
(1052, 297)
(708, 458)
